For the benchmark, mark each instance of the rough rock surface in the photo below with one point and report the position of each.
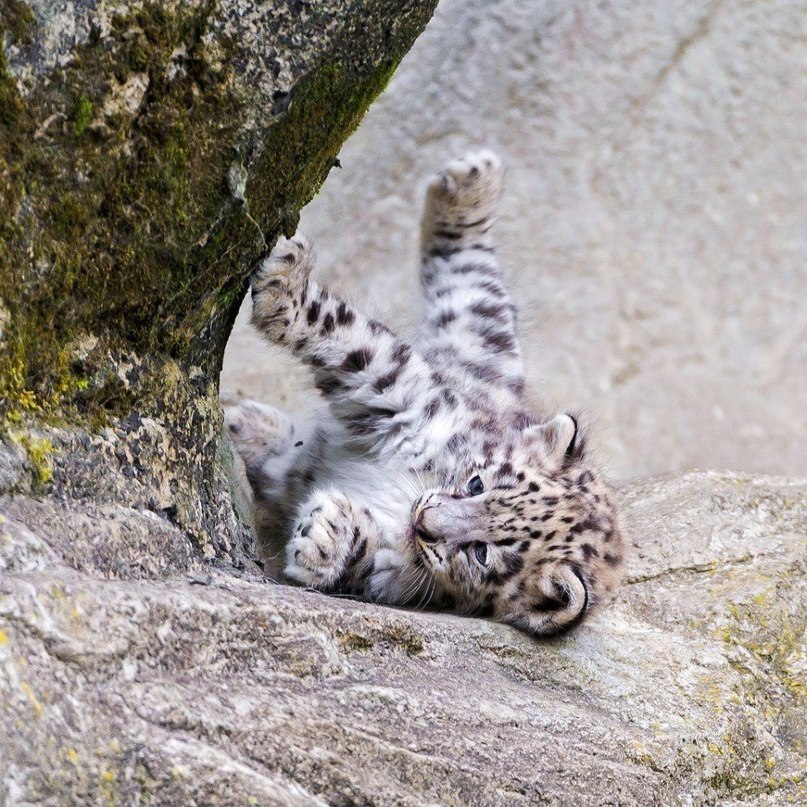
(150, 153)
(179, 685)
(654, 222)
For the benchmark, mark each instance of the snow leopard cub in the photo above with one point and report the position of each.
(428, 481)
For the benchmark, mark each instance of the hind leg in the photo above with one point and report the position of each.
(258, 432)
(270, 444)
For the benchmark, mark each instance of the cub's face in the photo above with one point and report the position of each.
(529, 536)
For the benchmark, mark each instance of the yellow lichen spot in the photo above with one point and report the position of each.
(32, 699)
(107, 775)
(760, 599)
(72, 755)
(3, 637)
(770, 764)
(115, 746)
(39, 451)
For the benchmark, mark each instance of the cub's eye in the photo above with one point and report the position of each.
(481, 553)
(475, 486)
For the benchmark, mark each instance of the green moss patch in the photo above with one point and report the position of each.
(117, 220)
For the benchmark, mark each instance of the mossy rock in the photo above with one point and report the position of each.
(148, 159)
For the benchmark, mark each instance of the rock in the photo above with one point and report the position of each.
(150, 154)
(652, 227)
(171, 686)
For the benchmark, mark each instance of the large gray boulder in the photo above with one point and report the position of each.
(177, 684)
(150, 154)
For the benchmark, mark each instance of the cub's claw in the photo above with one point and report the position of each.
(321, 544)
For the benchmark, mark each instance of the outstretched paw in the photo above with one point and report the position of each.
(462, 198)
(279, 282)
(321, 544)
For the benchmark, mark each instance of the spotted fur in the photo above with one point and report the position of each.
(428, 480)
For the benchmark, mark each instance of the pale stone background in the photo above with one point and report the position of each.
(655, 225)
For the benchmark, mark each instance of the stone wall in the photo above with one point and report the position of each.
(654, 225)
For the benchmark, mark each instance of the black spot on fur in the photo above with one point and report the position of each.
(313, 312)
(387, 380)
(377, 327)
(612, 560)
(513, 564)
(356, 360)
(494, 311)
(445, 318)
(533, 487)
(493, 288)
(476, 268)
(497, 341)
(344, 316)
(589, 551)
(401, 354)
(482, 372)
(432, 408)
(328, 384)
(486, 610)
(328, 324)
(449, 235)
(443, 251)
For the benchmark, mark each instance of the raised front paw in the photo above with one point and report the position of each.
(463, 195)
(321, 544)
(279, 283)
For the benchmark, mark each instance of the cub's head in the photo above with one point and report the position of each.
(527, 535)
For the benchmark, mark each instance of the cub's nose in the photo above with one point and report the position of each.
(421, 530)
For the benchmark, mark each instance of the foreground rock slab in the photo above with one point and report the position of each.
(200, 686)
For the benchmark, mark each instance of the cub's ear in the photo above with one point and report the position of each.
(556, 602)
(559, 439)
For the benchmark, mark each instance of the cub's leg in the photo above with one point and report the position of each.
(259, 433)
(278, 456)
(376, 384)
(470, 322)
(332, 544)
